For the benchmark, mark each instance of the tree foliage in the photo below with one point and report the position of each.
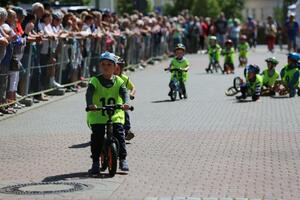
(16, 2)
(207, 8)
(125, 6)
(210, 8)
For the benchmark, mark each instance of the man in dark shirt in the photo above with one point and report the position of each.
(292, 30)
(221, 28)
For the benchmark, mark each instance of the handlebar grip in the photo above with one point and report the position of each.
(87, 109)
(131, 97)
(131, 108)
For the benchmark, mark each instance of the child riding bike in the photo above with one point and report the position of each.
(131, 89)
(270, 76)
(243, 49)
(214, 52)
(228, 54)
(253, 84)
(290, 74)
(179, 62)
(106, 89)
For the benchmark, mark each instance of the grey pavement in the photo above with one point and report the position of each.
(206, 147)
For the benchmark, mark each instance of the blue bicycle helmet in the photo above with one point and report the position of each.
(108, 56)
(253, 68)
(294, 56)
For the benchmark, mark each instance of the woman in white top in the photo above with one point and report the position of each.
(47, 58)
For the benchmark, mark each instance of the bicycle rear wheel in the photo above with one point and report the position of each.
(231, 91)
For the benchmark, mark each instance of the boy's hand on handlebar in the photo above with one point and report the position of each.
(126, 107)
(92, 107)
(131, 97)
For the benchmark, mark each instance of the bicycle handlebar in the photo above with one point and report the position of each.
(108, 107)
(175, 70)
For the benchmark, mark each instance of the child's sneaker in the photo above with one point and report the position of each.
(124, 165)
(129, 135)
(95, 170)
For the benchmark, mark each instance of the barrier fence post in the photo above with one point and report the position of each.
(28, 71)
(60, 60)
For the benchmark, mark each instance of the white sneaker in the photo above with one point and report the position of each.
(56, 84)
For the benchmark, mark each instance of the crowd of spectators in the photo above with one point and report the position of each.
(42, 48)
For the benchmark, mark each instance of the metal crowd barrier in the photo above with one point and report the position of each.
(83, 54)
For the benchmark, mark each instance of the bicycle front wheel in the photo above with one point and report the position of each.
(112, 157)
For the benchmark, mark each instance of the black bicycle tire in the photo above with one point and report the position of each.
(113, 163)
(236, 87)
(173, 95)
(104, 163)
(227, 93)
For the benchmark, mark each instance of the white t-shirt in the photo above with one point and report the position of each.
(8, 30)
(48, 44)
(86, 28)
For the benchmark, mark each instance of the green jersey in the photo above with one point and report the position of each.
(106, 96)
(269, 80)
(255, 86)
(228, 55)
(214, 53)
(243, 49)
(179, 64)
(128, 83)
(288, 76)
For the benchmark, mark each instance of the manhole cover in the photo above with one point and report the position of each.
(43, 188)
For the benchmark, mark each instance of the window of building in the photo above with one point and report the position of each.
(254, 13)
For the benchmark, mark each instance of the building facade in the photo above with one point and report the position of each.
(261, 9)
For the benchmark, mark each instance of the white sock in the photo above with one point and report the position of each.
(51, 80)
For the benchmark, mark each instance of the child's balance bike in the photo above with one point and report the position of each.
(110, 151)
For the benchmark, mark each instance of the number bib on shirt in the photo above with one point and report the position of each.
(106, 96)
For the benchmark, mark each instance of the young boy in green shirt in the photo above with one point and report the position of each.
(253, 84)
(243, 48)
(214, 53)
(270, 75)
(228, 53)
(290, 74)
(131, 89)
(179, 62)
(106, 89)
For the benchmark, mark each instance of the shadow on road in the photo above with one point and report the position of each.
(162, 101)
(205, 73)
(280, 97)
(78, 175)
(79, 146)
(243, 101)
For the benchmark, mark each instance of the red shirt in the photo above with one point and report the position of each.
(205, 28)
(19, 30)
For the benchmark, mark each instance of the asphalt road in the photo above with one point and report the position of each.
(206, 146)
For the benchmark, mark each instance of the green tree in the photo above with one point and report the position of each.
(125, 6)
(180, 5)
(150, 6)
(207, 8)
(168, 9)
(278, 14)
(232, 7)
